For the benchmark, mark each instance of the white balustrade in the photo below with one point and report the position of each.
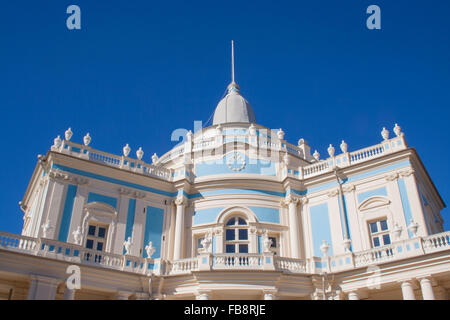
(366, 154)
(290, 265)
(436, 242)
(237, 261)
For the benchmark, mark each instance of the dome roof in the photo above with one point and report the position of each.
(233, 108)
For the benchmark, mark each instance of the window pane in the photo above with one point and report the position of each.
(90, 244)
(376, 242)
(229, 235)
(373, 227)
(91, 231)
(242, 222)
(243, 248)
(230, 222)
(99, 246)
(383, 225)
(230, 248)
(386, 239)
(274, 242)
(101, 232)
(243, 235)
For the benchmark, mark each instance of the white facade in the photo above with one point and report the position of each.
(234, 212)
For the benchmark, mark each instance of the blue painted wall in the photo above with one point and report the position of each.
(405, 203)
(153, 230)
(67, 213)
(209, 215)
(95, 197)
(320, 228)
(376, 192)
(130, 219)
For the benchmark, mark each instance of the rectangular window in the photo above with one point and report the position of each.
(376, 242)
(386, 239)
(383, 224)
(99, 246)
(91, 231)
(101, 232)
(379, 233)
(230, 248)
(373, 227)
(230, 235)
(243, 235)
(90, 244)
(243, 248)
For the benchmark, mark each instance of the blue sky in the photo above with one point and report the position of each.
(137, 70)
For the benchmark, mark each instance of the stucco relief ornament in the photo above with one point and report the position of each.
(77, 235)
(331, 150)
(154, 158)
(46, 228)
(150, 250)
(343, 147)
(126, 150)
(413, 226)
(398, 130)
(280, 134)
(286, 159)
(139, 153)
(267, 243)
(68, 134)
(347, 243)
(324, 247)
(316, 155)
(87, 139)
(57, 142)
(385, 134)
(127, 245)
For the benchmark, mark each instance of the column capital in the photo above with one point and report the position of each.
(290, 199)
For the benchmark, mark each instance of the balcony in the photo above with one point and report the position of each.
(72, 253)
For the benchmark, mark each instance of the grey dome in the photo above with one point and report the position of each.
(233, 108)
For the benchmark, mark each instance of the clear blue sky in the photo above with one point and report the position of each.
(137, 70)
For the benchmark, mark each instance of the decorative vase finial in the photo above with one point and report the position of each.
(280, 134)
(316, 155)
(324, 247)
(331, 150)
(398, 130)
(139, 153)
(154, 158)
(68, 134)
(343, 147)
(87, 139)
(57, 142)
(385, 133)
(126, 150)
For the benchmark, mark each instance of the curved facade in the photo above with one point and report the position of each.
(234, 212)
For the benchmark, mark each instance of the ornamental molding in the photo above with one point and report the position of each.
(290, 199)
(180, 201)
(333, 193)
(64, 177)
(391, 177)
(406, 173)
(348, 188)
(131, 193)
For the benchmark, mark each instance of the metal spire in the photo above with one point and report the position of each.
(233, 87)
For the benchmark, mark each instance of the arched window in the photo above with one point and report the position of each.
(236, 235)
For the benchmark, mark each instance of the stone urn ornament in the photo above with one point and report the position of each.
(280, 134)
(68, 134)
(252, 130)
(347, 243)
(286, 159)
(413, 226)
(126, 150)
(150, 250)
(139, 153)
(87, 139)
(57, 142)
(154, 158)
(189, 135)
(331, 151)
(127, 245)
(316, 155)
(397, 231)
(385, 133)
(77, 235)
(398, 130)
(324, 247)
(343, 147)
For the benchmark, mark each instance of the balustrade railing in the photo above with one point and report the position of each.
(237, 261)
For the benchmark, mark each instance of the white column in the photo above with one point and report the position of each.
(69, 294)
(293, 226)
(408, 291)
(427, 289)
(179, 228)
(353, 295)
(42, 288)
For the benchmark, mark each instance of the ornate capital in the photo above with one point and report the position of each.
(290, 199)
(392, 176)
(180, 201)
(348, 188)
(333, 193)
(406, 173)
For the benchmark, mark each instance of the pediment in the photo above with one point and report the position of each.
(100, 208)
(374, 202)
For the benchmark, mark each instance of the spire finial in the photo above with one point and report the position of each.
(232, 61)
(233, 87)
